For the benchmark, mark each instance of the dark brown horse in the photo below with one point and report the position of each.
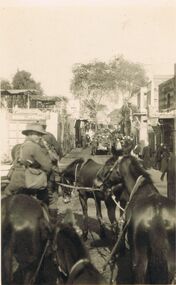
(25, 235)
(150, 227)
(72, 256)
(94, 176)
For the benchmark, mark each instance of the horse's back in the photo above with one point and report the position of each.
(88, 172)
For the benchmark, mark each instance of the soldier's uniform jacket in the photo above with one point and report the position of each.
(32, 152)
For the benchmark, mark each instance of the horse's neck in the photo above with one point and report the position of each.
(71, 261)
(130, 182)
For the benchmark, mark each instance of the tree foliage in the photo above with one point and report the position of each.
(23, 80)
(128, 76)
(5, 84)
(95, 80)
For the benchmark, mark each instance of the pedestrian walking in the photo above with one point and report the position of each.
(158, 156)
(32, 168)
(171, 177)
(164, 161)
(146, 156)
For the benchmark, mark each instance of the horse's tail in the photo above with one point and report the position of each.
(158, 265)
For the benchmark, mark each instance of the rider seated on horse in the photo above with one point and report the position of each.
(127, 145)
(32, 157)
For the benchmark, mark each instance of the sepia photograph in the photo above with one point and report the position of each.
(88, 142)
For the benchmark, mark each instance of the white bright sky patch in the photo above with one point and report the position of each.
(47, 37)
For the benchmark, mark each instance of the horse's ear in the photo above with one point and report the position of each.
(69, 217)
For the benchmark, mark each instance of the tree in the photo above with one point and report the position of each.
(128, 76)
(90, 83)
(95, 80)
(23, 80)
(5, 84)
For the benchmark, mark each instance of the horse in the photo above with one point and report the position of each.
(25, 235)
(149, 227)
(72, 257)
(93, 175)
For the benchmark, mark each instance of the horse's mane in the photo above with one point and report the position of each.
(117, 152)
(90, 160)
(110, 161)
(136, 169)
(76, 161)
(114, 158)
(71, 239)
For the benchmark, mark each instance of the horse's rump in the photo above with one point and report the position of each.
(154, 239)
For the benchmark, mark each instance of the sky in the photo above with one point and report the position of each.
(46, 38)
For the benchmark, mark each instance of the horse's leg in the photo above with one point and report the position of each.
(140, 258)
(172, 256)
(111, 208)
(83, 201)
(99, 216)
(140, 265)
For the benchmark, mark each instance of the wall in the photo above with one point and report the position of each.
(12, 125)
(167, 95)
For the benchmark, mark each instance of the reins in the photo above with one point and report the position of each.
(40, 262)
(77, 267)
(78, 187)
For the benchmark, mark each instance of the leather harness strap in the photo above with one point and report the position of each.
(77, 268)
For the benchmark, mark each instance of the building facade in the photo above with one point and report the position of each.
(167, 120)
(154, 130)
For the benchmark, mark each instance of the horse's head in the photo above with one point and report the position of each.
(68, 175)
(108, 174)
(67, 244)
(130, 169)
